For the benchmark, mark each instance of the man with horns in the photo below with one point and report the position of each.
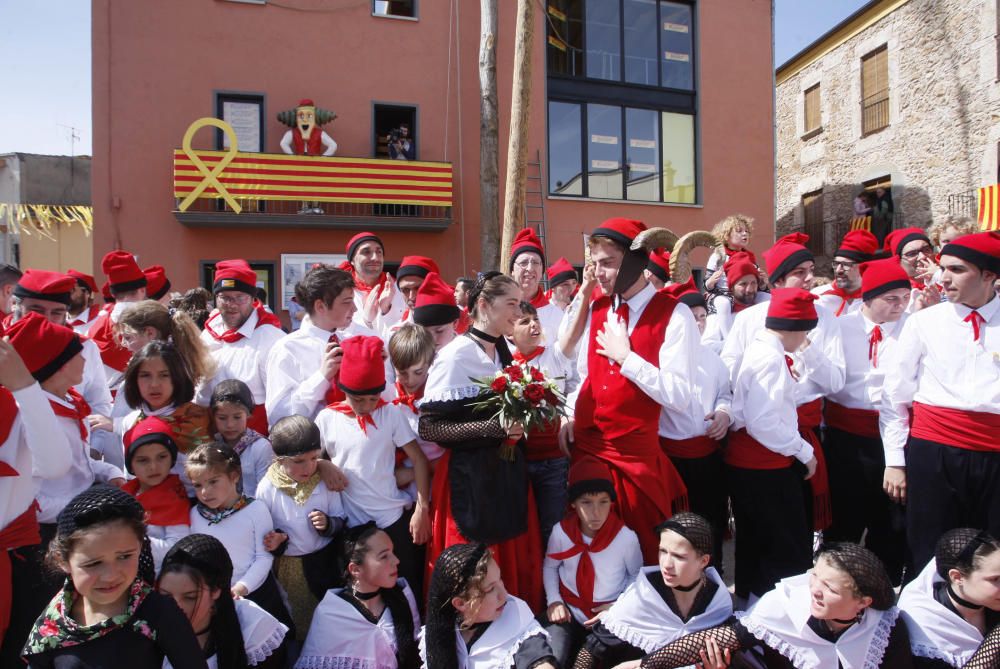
(639, 354)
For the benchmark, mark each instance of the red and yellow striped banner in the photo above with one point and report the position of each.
(989, 204)
(861, 223)
(269, 176)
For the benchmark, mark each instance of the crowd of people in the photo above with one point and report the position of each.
(185, 484)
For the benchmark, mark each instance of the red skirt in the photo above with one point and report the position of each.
(519, 559)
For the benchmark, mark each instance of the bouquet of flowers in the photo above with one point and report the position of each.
(520, 393)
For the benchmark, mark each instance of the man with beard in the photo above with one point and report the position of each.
(82, 310)
(239, 336)
(527, 261)
(378, 304)
(743, 290)
(843, 296)
(946, 373)
(639, 354)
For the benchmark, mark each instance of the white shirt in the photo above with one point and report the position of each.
(242, 533)
(719, 324)
(295, 382)
(614, 568)
(711, 394)
(37, 449)
(863, 387)
(254, 461)
(764, 399)
(82, 327)
(369, 462)
(162, 538)
(55, 493)
(383, 323)
(937, 362)
(94, 387)
(293, 519)
(245, 359)
(832, 302)
(820, 367)
(670, 382)
(550, 318)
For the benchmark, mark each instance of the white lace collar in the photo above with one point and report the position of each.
(935, 631)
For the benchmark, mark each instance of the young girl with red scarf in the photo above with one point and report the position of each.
(591, 559)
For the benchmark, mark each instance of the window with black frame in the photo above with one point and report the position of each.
(621, 100)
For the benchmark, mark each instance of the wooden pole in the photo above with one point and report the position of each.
(489, 136)
(517, 148)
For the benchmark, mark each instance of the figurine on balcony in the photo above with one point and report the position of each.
(306, 138)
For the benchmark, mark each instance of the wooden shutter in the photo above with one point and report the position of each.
(812, 209)
(812, 115)
(875, 90)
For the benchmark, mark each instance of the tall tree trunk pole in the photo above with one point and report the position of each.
(489, 136)
(517, 148)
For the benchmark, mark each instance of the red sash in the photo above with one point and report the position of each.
(586, 576)
(234, 335)
(745, 452)
(8, 412)
(166, 503)
(971, 430)
(695, 447)
(862, 422)
(810, 416)
(78, 413)
(22, 531)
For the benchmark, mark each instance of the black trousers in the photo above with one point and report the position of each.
(33, 586)
(708, 495)
(565, 639)
(411, 556)
(948, 487)
(856, 467)
(773, 532)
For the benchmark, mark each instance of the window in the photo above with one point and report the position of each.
(875, 91)
(640, 42)
(565, 149)
(387, 119)
(675, 38)
(812, 210)
(811, 105)
(603, 40)
(245, 112)
(398, 8)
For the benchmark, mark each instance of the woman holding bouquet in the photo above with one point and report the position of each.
(480, 491)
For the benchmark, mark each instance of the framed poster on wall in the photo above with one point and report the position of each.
(295, 265)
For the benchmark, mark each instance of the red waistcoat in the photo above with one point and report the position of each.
(609, 401)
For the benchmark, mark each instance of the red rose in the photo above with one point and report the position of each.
(534, 393)
(550, 397)
(536, 374)
(499, 384)
(514, 372)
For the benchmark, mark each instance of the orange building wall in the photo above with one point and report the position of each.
(157, 65)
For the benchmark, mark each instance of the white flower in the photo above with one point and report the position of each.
(516, 392)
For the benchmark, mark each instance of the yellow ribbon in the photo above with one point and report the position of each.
(211, 176)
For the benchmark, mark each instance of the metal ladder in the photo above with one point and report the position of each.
(534, 202)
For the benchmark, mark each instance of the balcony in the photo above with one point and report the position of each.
(267, 190)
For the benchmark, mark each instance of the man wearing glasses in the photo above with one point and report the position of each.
(239, 335)
(913, 248)
(527, 263)
(843, 296)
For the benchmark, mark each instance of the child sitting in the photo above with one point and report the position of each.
(373, 622)
(733, 234)
(238, 522)
(106, 612)
(150, 453)
(548, 465)
(232, 404)
(411, 350)
(306, 516)
(361, 435)
(591, 559)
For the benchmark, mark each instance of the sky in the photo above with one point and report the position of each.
(45, 77)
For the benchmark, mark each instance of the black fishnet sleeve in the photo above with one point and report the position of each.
(584, 660)
(453, 423)
(988, 654)
(684, 651)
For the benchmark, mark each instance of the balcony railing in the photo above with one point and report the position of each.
(874, 112)
(278, 190)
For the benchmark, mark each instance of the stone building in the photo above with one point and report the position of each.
(903, 95)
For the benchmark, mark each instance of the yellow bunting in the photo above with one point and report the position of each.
(211, 176)
(30, 219)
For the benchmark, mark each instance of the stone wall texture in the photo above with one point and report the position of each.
(944, 119)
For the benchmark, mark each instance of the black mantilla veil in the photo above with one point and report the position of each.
(452, 571)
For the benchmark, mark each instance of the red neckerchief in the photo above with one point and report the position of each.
(739, 306)
(166, 502)
(919, 285)
(585, 573)
(79, 412)
(91, 314)
(8, 412)
(363, 421)
(791, 364)
(730, 252)
(520, 358)
(234, 335)
(873, 341)
(977, 321)
(844, 297)
(403, 397)
(364, 287)
(539, 300)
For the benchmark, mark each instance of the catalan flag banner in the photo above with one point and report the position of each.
(989, 205)
(861, 223)
(269, 176)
